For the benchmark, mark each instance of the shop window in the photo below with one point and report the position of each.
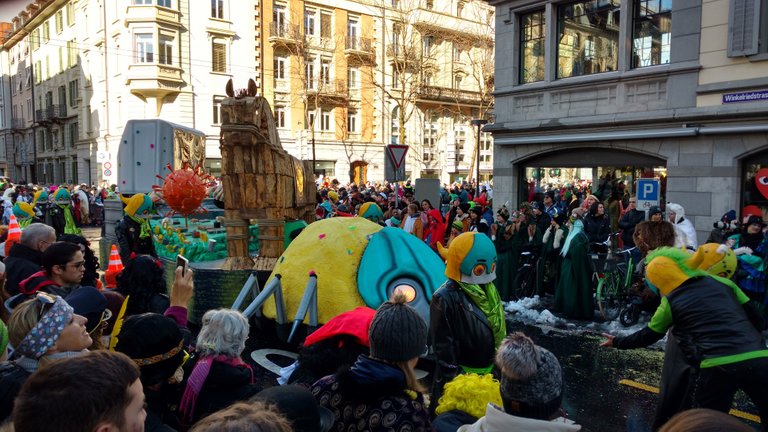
(754, 191)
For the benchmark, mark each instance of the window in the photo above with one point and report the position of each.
(352, 121)
(457, 81)
(280, 65)
(352, 30)
(430, 131)
(145, 46)
(63, 63)
(217, 109)
(651, 32)
(395, 135)
(430, 4)
(279, 21)
(309, 22)
(426, 79)
(35, 39)
(219, 63)
(46, 32)
(325, 120)
(456, 52)
(279, 116)
(325, 25)
(588, 35)
(747, 29)
(532, 47)
(309, 73)
(395, 77)
(217, 9)
(75, 179)
(460, 134)
(59, 21)
(74, 92)
(142, 2)
(70, 14)
(311, 120)
(459, 9)
(353, 77)
(71, 53)
(396, 34)
(325, 71)
(166, 50)
(164, 3)
(47, 68)
(428, 41)
(63, 96)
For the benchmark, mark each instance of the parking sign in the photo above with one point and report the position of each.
(648, 192)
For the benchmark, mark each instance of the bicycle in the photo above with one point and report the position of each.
(614, 274)
(525, 279)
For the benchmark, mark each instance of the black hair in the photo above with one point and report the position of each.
(142, 279)
(91, 274)
(148, 335)
(59, 254)
(327, 357)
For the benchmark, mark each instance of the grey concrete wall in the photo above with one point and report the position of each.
(703, 172)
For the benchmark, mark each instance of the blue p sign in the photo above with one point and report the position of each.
(648, 192)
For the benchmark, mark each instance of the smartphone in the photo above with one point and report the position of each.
(183, 263)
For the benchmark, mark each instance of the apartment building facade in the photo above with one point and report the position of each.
(635, 88)
(82, 68)
(347, 78)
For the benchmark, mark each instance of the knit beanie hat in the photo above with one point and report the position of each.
(457, 224)
(464, 207)
(531, 378)
(397, 333)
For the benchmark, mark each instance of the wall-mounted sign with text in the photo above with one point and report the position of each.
(753, 96)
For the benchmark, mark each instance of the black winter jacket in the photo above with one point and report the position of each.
(21, 263)
(596, 228)
(627, 225)
(127, 232)
(12, 377)
(225, 385)
(460, 335)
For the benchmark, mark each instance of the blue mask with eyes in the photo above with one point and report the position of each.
(479, 264)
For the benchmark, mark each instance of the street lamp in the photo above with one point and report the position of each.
(479, 123)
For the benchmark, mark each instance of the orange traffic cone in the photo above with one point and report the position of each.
(14, 234)
(114, 269)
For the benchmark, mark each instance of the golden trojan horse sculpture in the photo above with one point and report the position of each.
(260, 180)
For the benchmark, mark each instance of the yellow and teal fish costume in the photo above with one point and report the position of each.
(139, 208)
(63, 199)
(24, 212)
(371, 211)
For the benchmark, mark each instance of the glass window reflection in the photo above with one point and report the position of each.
(532, 47)
(588, 37)
(651, 32)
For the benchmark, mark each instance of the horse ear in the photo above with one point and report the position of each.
(230, 88)
(252, 89)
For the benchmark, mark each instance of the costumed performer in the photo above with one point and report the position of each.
(715, 332)
(134, 235)
(62, 217)
(466, 313)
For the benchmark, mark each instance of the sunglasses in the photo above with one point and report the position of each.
(45, 299)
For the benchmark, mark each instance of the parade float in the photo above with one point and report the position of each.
(263, 254)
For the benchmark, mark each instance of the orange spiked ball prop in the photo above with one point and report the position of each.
(114, 269)
(184, 189)
(14, 234)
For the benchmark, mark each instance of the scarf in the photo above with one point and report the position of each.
(69, 221)
(486, 297)
(576, 229)
(146, 231)
(197, 380)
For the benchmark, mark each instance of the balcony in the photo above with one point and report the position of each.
(284, 34)
(451, 27)
(447, 94)
(18, 124)
(51, 114)
(360, 49)
(397, 53)
(154, 81)
(152, 14)
(332, 92)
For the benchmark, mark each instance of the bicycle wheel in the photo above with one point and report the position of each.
(525, 282)
(609, 296)
(629, 315)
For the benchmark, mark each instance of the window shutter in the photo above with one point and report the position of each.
(743, 27)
